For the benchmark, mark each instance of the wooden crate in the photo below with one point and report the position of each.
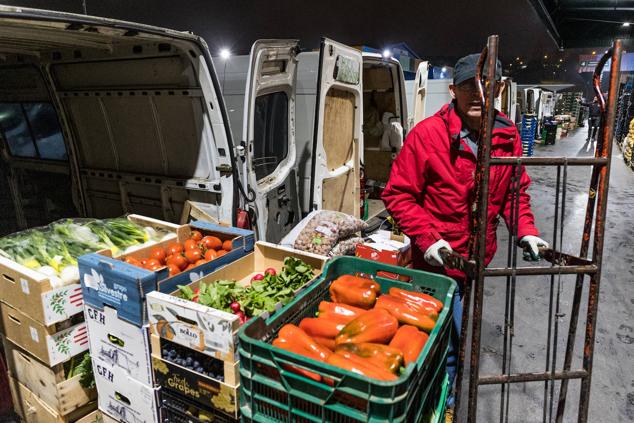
(96, 416)
(32, 293)
(49, 384)
(53, 344)
(33, 410)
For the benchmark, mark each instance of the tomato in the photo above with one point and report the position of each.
(134, 262)
(153, 264)
(190, 244)
(196, 236)
(227, 246)
(174, 248)
(211, 243)
(193, 255)
(190, 267)
(270, 271)
(174, 269)
(158, 253)
(210, 255)
(179, 261)
(143, 261)
(199, 262)
(222, 253)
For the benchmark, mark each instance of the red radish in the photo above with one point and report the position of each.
(235, 306)
(257, 277)
(242, 316)
(270, 271)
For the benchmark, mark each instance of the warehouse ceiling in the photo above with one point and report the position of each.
(586, 23)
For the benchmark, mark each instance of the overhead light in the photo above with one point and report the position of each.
(444, 69)
(561, 60)
(626, 24)
(387, 53)
(594, 52)
(225, 54)
(521, 63)
(545, 56)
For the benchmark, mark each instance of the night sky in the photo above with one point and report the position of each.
(441, 30)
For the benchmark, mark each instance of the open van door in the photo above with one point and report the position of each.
(420, 94)
(338, 142)
(270, 171)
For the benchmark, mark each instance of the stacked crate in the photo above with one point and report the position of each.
(527, 133)
(195, 347)
(116, 314)
(569, 104)
(44, 336)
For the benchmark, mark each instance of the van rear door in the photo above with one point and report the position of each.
(338, 142)
(269, 170)
(420, 93)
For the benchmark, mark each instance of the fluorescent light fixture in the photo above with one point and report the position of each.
(225, 53)
(387, 53)
(444, 69)
(626, 24)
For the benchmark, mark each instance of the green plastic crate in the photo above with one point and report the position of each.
(269, 393)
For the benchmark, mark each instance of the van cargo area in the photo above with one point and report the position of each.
(101, 119)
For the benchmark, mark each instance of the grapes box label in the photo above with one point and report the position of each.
(202, 389)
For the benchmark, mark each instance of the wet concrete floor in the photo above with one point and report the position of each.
(612, 390)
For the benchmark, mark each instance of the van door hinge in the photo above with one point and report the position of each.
(224, 168)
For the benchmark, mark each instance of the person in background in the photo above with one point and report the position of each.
(594, 119)
(431, 187)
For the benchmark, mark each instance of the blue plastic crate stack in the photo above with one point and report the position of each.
(527, 132)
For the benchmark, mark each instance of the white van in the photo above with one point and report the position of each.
(101, 117)
(426, 96)
(339, 116)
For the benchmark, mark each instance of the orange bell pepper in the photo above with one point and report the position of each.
(359, 365)
(325, 342)
(322, 327)
(417, 297)
(384, 356)
(405, 313)
(375, 325)
(410, 341)
(355, 291)
(293, 339)
(339, 311)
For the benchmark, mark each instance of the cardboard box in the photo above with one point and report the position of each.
(119, 344)
(31, 292)
(177, 408)
(230, 369)
(97, 417)
(203, 390)
(113, 282)
(50, 385)
(123, 398)
(214, 332)
(33, 410)
(50, 344)
(386, 249)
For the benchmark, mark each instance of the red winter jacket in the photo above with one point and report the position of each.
(432, 183)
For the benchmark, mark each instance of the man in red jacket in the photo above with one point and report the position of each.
(431, 185)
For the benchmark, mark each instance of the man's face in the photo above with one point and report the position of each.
(468, 98)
